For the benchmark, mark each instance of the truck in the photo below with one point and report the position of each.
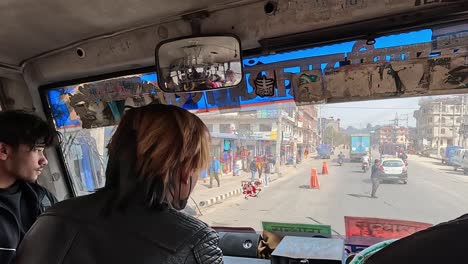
(359, 146)
(449, 155)
(324, 151)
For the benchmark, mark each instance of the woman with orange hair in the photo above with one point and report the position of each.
(155, 158)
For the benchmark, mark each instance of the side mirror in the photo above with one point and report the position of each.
(192, 64)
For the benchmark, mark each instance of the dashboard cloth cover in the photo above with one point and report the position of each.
(443, 243)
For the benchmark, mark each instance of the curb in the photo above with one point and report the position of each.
(219, 198)
(431, 157)
(222, 197)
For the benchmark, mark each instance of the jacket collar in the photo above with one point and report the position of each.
(28, 190)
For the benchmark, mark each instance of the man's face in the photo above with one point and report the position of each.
(22, 163)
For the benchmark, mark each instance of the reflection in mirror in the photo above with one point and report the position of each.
(199, 64)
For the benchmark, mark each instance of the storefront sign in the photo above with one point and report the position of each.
(269, 113)
(261, 135)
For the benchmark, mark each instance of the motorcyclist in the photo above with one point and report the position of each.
(341, 157)
(365, 161)
(403, 156)
(365, 158)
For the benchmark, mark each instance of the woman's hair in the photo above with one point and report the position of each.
(153, 146)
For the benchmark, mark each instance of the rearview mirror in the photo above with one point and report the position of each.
(199, 63)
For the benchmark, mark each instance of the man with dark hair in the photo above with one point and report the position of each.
(23, 137)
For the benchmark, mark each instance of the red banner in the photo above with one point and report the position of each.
(380, 227)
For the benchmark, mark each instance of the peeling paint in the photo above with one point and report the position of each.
(308, 86)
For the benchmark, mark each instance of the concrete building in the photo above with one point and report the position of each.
(258, 131)
(308, 115)
(438, 122)
(391, 134)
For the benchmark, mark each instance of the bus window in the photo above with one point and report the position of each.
(271, 147)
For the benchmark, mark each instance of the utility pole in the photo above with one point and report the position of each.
(279, 138)
(394, 128)
(440, 128)
(407, 138)
(320, 124)
(453, 126)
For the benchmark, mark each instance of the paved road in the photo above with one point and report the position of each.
(434, 193)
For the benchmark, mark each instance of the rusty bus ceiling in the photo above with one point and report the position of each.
(41, 31)
(56, 42)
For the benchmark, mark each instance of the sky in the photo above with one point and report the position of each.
(377, 112)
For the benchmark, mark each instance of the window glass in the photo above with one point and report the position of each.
(299, 137)
(393, 163)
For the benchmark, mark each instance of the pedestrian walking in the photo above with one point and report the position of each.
(253, 169)
(215, 171)
(259, 167)
(203, 175)
(269, 167)
(238, 167)
(376, 175)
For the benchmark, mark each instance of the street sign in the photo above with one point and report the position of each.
(287, 228)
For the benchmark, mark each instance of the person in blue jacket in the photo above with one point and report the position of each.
(215, 171)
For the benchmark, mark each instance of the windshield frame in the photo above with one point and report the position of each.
(100, 77)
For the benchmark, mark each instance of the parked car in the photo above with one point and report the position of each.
(428, 152)
(394, 169)
(458, 157)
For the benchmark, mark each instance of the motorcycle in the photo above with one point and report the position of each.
(340, 161)
(365, 166)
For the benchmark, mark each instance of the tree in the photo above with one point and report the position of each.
(334, 137)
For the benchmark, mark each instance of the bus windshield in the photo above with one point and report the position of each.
(270, 145)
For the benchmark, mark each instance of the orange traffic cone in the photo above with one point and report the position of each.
(314, 183)
(324, 168)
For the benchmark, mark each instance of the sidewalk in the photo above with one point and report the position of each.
(431, 156)
(230, 186)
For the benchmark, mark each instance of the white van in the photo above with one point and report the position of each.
(459, 159)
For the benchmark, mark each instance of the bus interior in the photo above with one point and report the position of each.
(78, 64)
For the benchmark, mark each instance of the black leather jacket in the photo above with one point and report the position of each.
(37, 199)
(76, 231)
